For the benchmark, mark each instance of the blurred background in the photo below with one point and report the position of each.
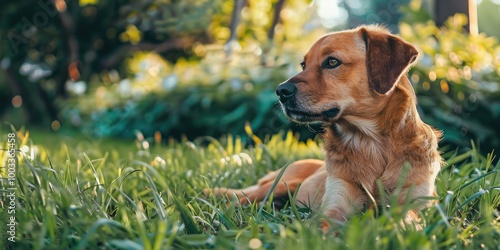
(109, 68)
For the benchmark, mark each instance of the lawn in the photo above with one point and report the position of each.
(79, 193)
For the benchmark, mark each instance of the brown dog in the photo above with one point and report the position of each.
(355, 83)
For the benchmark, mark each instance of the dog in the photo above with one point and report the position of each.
(355, 83)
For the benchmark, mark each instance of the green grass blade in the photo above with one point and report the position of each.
(226, 221)
(477, 178)
(471, 198)
(93, 229)
(271, 191)
(190, 224)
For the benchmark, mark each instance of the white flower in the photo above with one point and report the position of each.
(170, 82)
(77, 88)
(124, 87)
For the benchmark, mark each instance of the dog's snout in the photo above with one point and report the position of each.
(286, 90)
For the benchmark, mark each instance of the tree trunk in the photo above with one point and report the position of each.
(446, 8)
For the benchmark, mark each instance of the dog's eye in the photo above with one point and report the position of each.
(332, 63)
(303, 65)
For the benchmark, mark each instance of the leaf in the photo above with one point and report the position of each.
(99, 223)
(190, 224)
(124, 244)
(223, 218)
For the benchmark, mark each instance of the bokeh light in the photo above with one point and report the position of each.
(55, 125)
(331, 13)
(17, 101)
(255, 243)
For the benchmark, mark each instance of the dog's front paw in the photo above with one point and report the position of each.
(330, 227)
(324, 225)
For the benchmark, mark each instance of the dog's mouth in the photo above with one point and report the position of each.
(305, 117)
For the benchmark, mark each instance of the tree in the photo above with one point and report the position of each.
(49, 45)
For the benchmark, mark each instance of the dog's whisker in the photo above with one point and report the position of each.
(311, 128)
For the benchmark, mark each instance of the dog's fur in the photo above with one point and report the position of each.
(372, 128)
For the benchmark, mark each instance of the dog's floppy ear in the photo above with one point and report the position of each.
(387, 59)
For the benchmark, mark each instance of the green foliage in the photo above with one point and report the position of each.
(51, 49)
(213, 93)
(457, 80)
(211, 97)
(86, 194)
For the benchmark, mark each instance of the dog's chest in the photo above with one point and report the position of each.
(362, 166)
(365, 171)
(363, 160)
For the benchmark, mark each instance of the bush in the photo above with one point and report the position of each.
(457, 81)
(192, 99)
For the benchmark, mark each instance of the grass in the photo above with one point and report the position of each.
(74, 193)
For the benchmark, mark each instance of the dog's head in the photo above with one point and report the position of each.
(346, 73)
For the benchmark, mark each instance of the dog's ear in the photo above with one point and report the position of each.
(387, 59)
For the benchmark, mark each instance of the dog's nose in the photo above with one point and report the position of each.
(286, 90)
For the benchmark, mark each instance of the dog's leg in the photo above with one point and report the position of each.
(293, 176)
(341, 199)
(257, 193)
(412, 218)
(312, 190)
(418, 192)
(280, 191)
(240, 193)
(417, 196)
